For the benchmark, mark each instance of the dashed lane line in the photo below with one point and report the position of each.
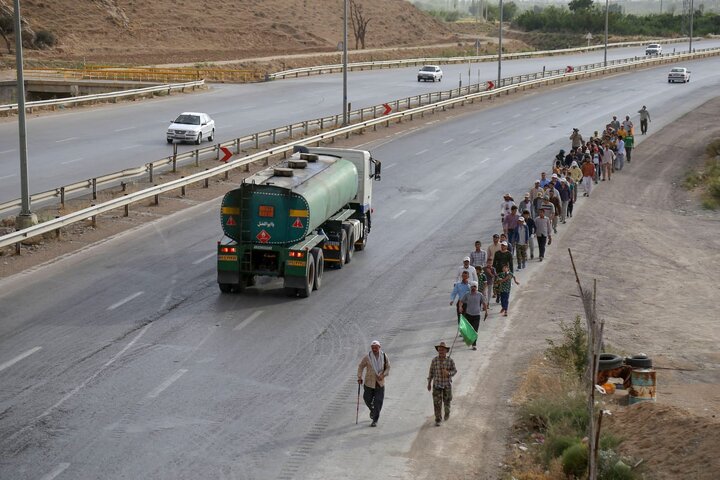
(247, 321)
(507, 148)
(125, 300)
(72, 161)
(163, 386)
(397, 215)
(22, 356)
(66, 140)
(206, 257)
(61, 467)
(421, 152)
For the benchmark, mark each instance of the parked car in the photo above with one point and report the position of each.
(653, 49)
(430, 72)
(191, 127)
(679, 74)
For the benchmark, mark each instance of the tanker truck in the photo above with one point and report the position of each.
(294, 218)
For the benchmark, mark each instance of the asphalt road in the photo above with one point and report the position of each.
(83, 143)
(125, 361)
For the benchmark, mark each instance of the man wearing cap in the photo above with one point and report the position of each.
(503, 257)
(576, 138)
(466, 267)
(506, 205)
(473, 304)
(459, 290)
(521, 245)
(377, 367)
(530, 224)
(442, 369)
(525, 204)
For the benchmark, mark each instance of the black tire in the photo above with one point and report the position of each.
(225, 287)
(350, 243)
(343, 248)
(319, 260)
(639, 361)
(169, 140)
(309, 286)
(609, 361)
(418, 79)
(199, 139)
(212, 136)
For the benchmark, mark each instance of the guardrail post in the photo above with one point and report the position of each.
(237, 146)
(94, 188)
(256, 137)
(127, 208)
(182, 189)
(322, 123)
(305, 126)
(290, 132)
(274, 133)
(17, 248)
(93, 219)
(206, 183)
(150, 172)
(57, 230)
(62, 197)
(227, 174)
(157, 197)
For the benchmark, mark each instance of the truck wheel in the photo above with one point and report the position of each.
(360, 244)
(319, 260)
(343, 248)
(309, 281)
(225, 287)
(350, 244)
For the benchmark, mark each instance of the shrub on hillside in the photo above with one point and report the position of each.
(45, 39)
(575, 460)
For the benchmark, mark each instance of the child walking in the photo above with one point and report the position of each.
(503, 282)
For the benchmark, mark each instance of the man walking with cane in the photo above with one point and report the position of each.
(442, 369)
(377, 367)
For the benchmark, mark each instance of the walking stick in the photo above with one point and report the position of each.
(357, 410)
(453, 344)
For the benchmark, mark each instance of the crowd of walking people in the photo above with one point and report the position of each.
(487, 274)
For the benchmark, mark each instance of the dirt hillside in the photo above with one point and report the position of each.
(170, 31)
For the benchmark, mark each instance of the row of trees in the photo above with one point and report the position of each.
(582, 16)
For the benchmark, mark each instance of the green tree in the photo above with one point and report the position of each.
(578, 5)
(510, 9)
(7, 26)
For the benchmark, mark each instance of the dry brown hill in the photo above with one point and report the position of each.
(168, 31)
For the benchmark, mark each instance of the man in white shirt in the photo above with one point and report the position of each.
(466, 267)
(620, 155)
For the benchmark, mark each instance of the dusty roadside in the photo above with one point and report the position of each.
(656, 257)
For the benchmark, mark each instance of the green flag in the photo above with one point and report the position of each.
(468, 333)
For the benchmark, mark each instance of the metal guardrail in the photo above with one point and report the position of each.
(334, 68)
(149, 74)
(105, 96)
(272, 136)
(155, 191)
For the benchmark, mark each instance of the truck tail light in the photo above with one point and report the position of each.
(227, 249)
(294, 254)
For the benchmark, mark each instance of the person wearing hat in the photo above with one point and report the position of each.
(530, 224)
(466, 267)
(576, 138)
(525, 204)
(507, 203)
(473, 304)
(377, 367)
(560, 157)
(588, 170)
(442, 369)
(615, 124)
(521, 243)
(503, 257)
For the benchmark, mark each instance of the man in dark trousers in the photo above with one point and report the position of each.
(377, 367)
(543, 231)
(442, 369)
(503, 257)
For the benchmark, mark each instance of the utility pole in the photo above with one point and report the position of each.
(500, 47)
(607, 8)
(345, 62)
(692, 18)
(26, 218)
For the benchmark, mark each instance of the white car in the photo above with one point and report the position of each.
(430, 72)
(191, 127)
(653, 49)
(679, 74)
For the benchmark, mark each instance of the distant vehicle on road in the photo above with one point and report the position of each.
(653, 49)
(430, 72)
(679, 74)
(191, 127)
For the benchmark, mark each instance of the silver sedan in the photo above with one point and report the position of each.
(191, 127)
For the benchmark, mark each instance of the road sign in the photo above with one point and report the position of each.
(490, 85)
(569, 69)
(589, 36)
(298, 223)
(388, 109)
(227, 154)
(263, 236)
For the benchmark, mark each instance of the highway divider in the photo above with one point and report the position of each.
(378, 65)
(398, 117)
(111, 96)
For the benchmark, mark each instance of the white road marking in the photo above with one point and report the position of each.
(472, 132)
(56, 471)
(125, 300)
(554, 103)
(449, 140)
(421, 152)
(249, 319)
(507, 148)
(8, 151)
(486, 159)
(432, 192)
(66, 140)
(462, 174)
(517, 115)
(173, 378)
(398, 214)
(536, 109)
(124, 129)
(206, 257)
(496, 123)
(385, 167)
(23, 355)
(529, 137)
(8, 176)
(72, 161)
(128, 147)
